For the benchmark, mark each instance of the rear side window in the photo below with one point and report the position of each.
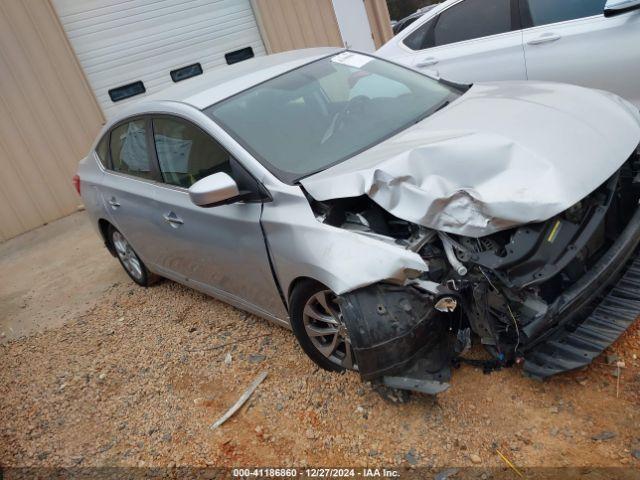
(103, 151)
(464, 21)
(129, 149)
(543, 12)
(186, 154)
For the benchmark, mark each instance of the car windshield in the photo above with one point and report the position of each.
(324, 112)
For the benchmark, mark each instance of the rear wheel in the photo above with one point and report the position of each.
(129, 259)
(317, 323)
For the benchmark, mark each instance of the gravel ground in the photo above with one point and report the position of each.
(137, 379)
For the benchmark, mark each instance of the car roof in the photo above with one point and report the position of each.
(221, 83)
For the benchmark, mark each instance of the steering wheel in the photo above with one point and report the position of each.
(354, 107)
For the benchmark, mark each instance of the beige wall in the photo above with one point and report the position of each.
(290, 24)
(379, 20)
(48, 117)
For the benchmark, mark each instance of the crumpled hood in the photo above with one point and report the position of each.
(501, 155)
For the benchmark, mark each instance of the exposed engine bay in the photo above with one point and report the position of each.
(511, 289)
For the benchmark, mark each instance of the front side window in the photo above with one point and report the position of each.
(185, 153)
(129, 150)
(544, 12)
(466, 20)
(327, 111)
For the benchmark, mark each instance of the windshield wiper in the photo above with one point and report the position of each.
(432, 111)
(447, 102)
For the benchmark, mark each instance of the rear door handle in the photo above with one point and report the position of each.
(427, 62)
(172, 219)
(545, 38)
(114, 203)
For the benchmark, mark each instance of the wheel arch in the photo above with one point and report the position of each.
(297, 281)
(103, 227)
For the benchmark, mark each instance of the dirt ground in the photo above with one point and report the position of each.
(111, 374)
(52, 274)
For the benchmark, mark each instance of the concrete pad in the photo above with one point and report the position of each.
(51, 274)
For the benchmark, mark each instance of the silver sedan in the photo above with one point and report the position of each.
(387, 217)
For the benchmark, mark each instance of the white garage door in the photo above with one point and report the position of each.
(120, 43)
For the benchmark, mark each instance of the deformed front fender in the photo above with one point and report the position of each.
(302, 246)
(393, 324)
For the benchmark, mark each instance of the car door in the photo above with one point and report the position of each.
(220, 250)
(470, 41)
(572, 41)
(128, 186)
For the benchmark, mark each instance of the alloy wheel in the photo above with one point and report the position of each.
(325, 328)
(127, 256)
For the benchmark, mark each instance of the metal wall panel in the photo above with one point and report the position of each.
(118, 42)
(48, 117)
(292, 24)
(380, 21)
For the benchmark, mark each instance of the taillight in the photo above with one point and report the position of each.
(76, 183)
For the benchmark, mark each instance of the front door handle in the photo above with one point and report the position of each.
(172, 219)
(545, 38)
(427, 62)
(114, 203)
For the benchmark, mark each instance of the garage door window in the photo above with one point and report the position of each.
(127, 91)
(544, 12)
(129, 151)
(184, 73)
(464, 21)
(185, 153)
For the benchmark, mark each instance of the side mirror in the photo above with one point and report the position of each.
(216, 189)
(616, 7)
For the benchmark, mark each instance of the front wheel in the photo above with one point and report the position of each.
(130, 261)
(317, 322)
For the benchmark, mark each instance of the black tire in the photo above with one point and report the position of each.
(143, 276)
(302, 293)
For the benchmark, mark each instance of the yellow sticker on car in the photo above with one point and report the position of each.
(554, 232)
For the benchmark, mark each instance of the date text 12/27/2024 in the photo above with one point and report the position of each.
(315, 472)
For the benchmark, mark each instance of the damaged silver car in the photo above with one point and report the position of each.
(388, 218)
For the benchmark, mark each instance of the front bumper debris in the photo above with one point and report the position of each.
(552, 295)
(567, 350)
(399, 337)
(592, 314)
(389, 327)
(428, 375)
